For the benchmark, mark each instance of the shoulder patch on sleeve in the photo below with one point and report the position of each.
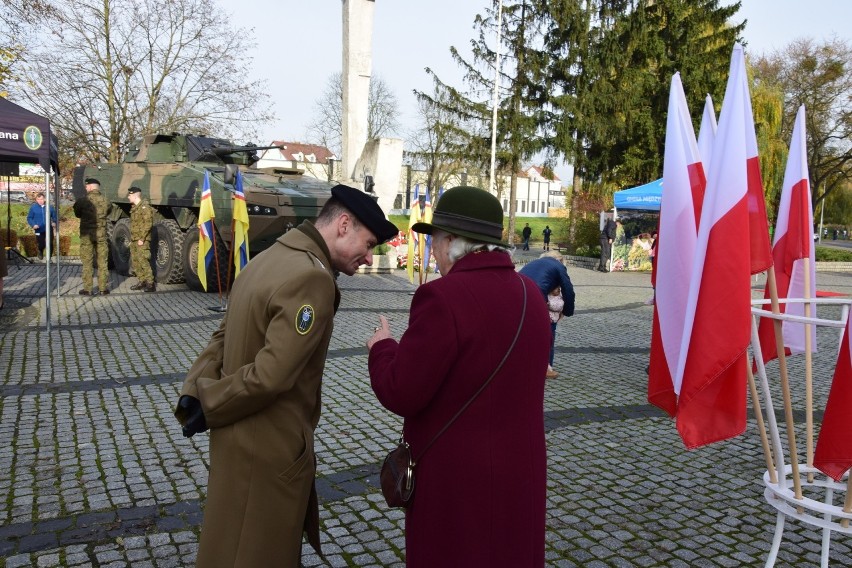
(304, 319)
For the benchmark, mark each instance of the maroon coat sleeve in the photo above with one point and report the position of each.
(406, 375)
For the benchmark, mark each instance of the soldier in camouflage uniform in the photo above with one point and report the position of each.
(92, 211)
(141, 222)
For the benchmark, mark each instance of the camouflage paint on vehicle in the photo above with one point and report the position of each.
(170, 170)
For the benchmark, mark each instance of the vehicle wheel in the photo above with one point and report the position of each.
(169, 245)
(217, 281)
(119, 245)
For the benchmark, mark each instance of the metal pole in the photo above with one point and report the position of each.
(48, 235)
(491, 186)
(821, 213)
(58, 248)
(408, 186)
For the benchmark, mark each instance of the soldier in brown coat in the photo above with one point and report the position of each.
(257, 386)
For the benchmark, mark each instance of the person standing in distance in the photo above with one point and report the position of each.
(141, 223)
(607, 236)
(37, 219)
(92, 210)
(257, 386)
(526, 233)
(547, 232)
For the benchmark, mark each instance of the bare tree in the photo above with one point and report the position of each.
(433, 147)
(818, 75)
(15, 18)
(326, 127)
(119, 69)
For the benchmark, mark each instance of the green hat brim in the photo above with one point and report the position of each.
(427, 228)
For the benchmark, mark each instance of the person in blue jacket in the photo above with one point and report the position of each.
(548, 272)
(37, 219)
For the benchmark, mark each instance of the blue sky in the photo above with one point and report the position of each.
(299, 46)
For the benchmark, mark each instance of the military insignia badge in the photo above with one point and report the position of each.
(304, 319)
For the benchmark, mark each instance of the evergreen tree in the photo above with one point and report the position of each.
(469, 131)
(608, 80)
(659, 38)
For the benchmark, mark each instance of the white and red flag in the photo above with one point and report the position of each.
(833, 454)
(707, 133)
(711, 376)
(761, 255)
(792, 245)
(684, 183)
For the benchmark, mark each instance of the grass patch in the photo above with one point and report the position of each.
(828, 254)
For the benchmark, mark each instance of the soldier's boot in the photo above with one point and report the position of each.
(150, 287)
(139, 286)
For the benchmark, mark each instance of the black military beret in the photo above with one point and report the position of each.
(92, 180)
(134, 189)
(365, 208)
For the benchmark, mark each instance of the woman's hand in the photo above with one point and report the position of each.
(382, 331)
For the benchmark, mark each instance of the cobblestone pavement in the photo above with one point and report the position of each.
(94, 470)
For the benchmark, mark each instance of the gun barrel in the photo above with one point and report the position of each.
(226, 150)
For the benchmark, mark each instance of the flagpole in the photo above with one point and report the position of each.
(216, 260)
(847, 503)
(809, 389)
(426, 278)
(231, 254)
(420, 256)
(761, 426)
(785, 382)
(821, 214)
(778, 452)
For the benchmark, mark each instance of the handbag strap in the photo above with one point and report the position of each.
(486, 383)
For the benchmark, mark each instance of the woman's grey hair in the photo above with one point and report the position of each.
(461, 246)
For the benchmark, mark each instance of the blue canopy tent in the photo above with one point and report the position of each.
(642, 198)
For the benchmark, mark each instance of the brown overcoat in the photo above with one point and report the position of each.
(259, 381)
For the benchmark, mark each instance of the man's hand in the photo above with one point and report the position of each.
(193, 422)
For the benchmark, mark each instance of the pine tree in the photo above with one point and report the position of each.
(468, 133)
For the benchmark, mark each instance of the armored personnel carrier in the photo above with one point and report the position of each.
(170, 170)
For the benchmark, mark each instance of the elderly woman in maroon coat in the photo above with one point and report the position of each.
(479, 498)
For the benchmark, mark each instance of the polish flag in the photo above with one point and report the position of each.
(707, 133)
(761, 255)
(833, 455)
(684, 182)
(793, 243)
(711, 376)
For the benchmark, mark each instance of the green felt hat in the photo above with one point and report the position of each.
(468, 212)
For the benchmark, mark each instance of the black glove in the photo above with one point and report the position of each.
(194, 422)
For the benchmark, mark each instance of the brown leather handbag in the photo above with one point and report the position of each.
(397, 475)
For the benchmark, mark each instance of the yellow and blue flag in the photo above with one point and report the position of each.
(205, 231)
(241, 227)
(412, 236)
(427, 249)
